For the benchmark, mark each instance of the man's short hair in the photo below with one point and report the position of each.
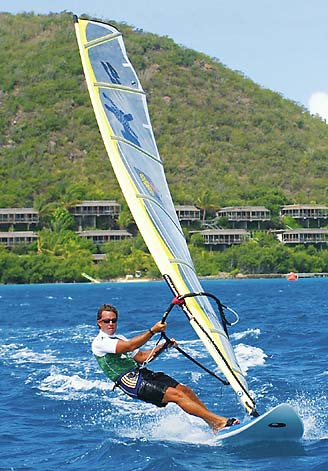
(106, 307)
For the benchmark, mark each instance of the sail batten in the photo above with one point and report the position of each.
(102, 40)
(182, 263)
(121, 111)
(155, 202)
(142, 151)
(118, 87)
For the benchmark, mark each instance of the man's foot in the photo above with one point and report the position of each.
(217, 426)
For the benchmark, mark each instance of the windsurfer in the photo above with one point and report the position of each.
(120, 359)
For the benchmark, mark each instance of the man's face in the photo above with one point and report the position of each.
(107, 323)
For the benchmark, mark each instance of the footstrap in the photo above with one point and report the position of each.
(230, 422)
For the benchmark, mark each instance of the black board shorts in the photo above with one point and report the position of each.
(148, 385)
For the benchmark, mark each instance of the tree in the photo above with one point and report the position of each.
(125, 218)
(197, 240)
(206, 201)
(61, 220)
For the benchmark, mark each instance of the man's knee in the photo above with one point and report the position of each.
(174, 394)
(184, 389)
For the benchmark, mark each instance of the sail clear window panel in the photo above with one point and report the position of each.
(98, 30)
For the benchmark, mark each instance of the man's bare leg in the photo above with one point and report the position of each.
(185, 398)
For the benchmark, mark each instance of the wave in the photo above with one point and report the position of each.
(176, 426)
(26, 355)
(249, 356)
(255, 333)
(313, 411)
(59, 385)
(58, 382)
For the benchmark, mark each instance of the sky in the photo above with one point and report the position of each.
(279, 44)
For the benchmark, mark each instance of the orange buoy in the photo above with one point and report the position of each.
(292, 276)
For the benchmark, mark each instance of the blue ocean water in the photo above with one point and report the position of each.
(58, 411)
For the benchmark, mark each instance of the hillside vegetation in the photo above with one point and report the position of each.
(223, 139)
(219, 134)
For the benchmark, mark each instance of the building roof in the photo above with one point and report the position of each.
(186, 207)
(13, 234)
(99, 256)
(244, 208)
(98, 203)
(306, 231)
(304, 206)
(224, 232)
(18, 211)
(99, 232)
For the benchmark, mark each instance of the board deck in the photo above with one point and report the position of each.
(281, 423)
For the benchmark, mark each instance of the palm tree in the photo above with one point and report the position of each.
(206, 201)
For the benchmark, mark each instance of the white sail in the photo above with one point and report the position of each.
(121, 111)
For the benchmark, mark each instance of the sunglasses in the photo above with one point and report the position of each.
(108, 321)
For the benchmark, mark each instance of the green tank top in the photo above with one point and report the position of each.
(114, 365)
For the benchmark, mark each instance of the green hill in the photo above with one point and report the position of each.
(219, 134)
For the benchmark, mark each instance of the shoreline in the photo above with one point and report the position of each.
(220, 276)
